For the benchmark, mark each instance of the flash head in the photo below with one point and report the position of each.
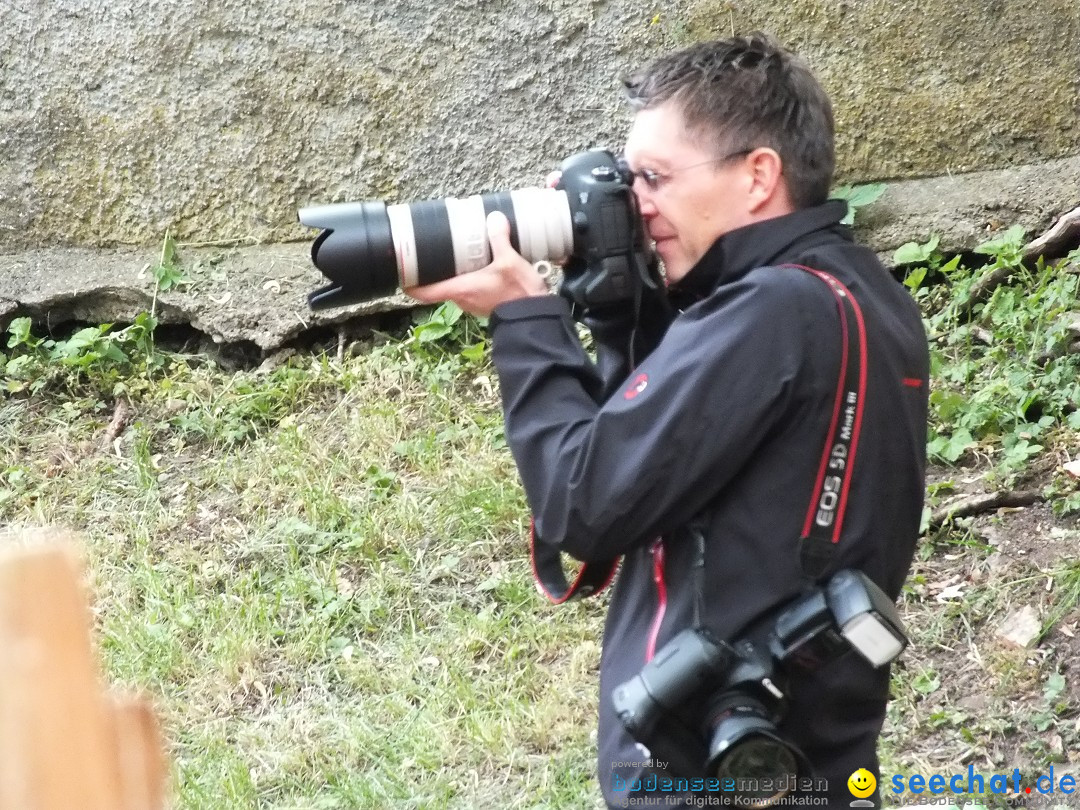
(866, 616)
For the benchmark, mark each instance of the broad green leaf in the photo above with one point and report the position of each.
(448, 313)
(914, 253)
(115, 353)
(167, 273)
(19, 329)
(857, 197)
(947, 404)
(860, 195)
(1055, 685)
(19, 365)
(169, 276)
(1011, 239)
(950, 266)
(950, 448)
(915, 278)
(926, 682)
(431, 331)
(909, 253)
(474, 353)
(1042, 721)
(146, 321)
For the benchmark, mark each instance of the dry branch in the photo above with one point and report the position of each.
(1058, 241)
(121, 416)
(984, 502)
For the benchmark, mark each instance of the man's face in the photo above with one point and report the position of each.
(696, 198)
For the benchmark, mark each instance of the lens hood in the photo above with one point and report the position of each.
(355, 252)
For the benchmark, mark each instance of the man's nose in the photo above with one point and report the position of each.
(645, 202)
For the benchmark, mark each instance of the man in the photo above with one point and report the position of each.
(724, 419)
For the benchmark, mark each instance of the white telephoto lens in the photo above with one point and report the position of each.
(468, 230)
(401, 228)
(543, 223)
(560, 231)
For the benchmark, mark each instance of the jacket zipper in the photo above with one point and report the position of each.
(657, 552)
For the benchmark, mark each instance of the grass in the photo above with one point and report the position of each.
(320, 575)
(320, 572)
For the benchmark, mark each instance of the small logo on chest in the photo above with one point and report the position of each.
(640, 383)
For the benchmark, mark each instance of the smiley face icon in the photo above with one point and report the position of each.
(861, 783)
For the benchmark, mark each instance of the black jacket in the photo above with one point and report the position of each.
(726, 417)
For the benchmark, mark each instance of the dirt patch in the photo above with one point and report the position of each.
(963, 693)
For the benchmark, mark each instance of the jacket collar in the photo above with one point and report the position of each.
(735, 254)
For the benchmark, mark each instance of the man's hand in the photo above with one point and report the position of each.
(508, 277)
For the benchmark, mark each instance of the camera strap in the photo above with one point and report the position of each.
(547, 569)
(825, 515)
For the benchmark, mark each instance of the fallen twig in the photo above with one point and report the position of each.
(984, 502)
(120, 418)
(1056, 242)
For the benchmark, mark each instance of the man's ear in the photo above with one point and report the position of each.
(768, 190)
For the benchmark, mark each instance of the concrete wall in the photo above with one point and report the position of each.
(218, 118)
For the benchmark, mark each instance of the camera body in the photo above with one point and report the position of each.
(589, 222)
(612, 260)
(710, 707)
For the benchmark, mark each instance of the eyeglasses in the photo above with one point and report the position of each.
(654, 181)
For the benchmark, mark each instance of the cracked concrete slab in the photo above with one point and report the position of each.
(257, 295)
(968, 209)
(254, 295)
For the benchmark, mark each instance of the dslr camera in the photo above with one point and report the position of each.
(589, 222)
(710, 708)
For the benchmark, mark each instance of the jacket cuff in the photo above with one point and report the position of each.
(523, 309)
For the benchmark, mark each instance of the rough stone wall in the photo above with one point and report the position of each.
(218, 118)
(932, 88)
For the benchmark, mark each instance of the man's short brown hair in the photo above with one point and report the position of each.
(747, 92)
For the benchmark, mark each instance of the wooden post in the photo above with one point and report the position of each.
(64, 743)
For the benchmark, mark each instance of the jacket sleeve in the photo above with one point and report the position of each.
(603, 477)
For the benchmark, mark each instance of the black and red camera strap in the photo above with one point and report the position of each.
(825, 515)
(547, 566)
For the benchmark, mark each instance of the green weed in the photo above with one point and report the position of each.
(1004, 377)
(449, 326)
(97, 355)
(167, 273)
(857, 197)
